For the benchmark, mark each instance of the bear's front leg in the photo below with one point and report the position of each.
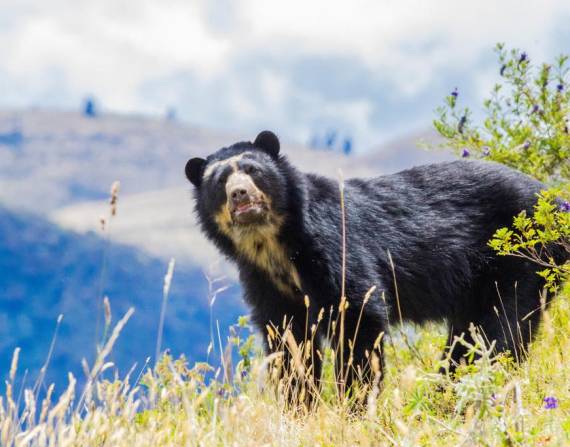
(287, 336)
(359, 355)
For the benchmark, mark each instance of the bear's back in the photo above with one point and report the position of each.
(463, 187)
(435, 220)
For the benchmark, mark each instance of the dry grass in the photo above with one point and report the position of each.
(491, 403)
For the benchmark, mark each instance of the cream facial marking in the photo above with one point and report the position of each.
(228, 161)
(259, 243)
(238, 178)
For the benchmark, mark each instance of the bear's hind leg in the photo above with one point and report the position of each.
(513, 323)
(512, 308)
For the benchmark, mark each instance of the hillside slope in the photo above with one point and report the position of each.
(50, 159)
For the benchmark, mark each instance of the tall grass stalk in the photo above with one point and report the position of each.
(40, 381)
(105, 222)
(343, 305)
(165, 292)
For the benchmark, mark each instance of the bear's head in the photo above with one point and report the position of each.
(240, 189)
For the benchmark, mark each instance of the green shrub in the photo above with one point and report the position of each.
(525, 126)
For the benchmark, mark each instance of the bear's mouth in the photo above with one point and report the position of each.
(249, 213)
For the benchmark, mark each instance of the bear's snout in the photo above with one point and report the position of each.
(240, 188)
(239, 196)
(245, 201)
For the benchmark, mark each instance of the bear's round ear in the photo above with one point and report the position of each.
(194, 169)
(268, 142)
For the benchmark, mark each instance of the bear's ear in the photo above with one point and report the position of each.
(268, 142)
(194, 169)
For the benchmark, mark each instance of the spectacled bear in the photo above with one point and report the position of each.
(420, 236)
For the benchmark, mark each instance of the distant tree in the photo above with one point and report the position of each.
(13, 138)
(347, 146)
(89, 107)
(330, 139)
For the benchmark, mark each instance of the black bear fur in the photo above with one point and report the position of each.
(435, 221)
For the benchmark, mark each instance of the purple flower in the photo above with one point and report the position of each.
(465, 153)
(222, 393)
(486, 151)
(559, 87)
(244, 373)
(526, 145)
(565, 207)
(455, 93)
(550, 403)
(535, 108)
(523, 57)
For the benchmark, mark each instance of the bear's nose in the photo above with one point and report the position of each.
(239, 195)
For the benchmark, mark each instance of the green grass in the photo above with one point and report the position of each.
(489, 403)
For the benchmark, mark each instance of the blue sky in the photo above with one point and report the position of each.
(372, 69)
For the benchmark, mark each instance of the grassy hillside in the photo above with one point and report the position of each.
(51, 158)
(489, 404)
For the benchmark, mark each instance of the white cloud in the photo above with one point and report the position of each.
(104, 49)
(113, 48)
(405, 41)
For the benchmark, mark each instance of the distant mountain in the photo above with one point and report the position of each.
(45, 271)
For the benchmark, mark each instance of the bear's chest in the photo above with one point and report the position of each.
(269, 255)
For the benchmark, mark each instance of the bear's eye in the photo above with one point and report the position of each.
(220, 178)
(249, 169)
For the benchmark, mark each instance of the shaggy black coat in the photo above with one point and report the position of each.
(434, 221)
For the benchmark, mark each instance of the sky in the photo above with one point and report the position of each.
(372, 70)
